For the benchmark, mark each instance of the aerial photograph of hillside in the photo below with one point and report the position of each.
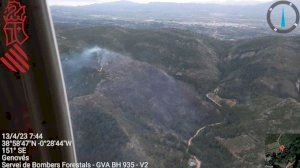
(182, 84)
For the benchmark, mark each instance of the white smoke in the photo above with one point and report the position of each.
(95, 57)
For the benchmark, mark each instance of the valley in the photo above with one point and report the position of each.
(175, 96)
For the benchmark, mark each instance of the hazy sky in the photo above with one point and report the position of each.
(85, 2)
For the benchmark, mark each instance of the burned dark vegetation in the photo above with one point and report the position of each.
(139, 90)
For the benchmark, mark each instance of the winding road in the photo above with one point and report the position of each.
(190, 142)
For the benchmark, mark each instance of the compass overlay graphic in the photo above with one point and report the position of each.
(282, 28)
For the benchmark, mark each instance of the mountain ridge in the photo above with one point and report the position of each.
(165, 73)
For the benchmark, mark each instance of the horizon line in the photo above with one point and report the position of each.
(191, 2)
